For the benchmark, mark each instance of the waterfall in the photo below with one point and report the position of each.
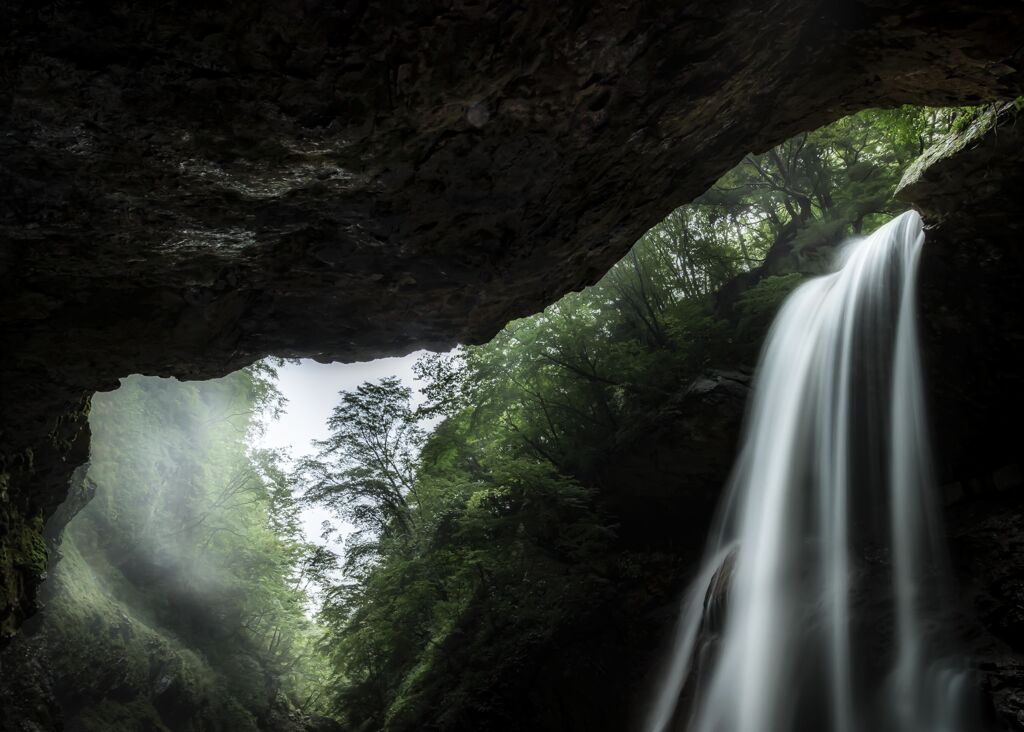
(820, 603)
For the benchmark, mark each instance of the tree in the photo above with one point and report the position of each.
(366, 470)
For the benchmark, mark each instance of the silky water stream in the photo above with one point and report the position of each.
(821, 602)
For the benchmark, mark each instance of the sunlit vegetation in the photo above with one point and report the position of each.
(178, 603)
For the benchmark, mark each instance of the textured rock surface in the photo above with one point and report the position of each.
(972, 291)
(187, 188)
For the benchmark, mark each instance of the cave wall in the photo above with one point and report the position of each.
(972, 307)
(970, 192)
(187, 188)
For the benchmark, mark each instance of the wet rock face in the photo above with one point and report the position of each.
(188, 188)
(972, 292)
(972, 313)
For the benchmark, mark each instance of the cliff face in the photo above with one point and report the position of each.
(972, 292)
(186, 190)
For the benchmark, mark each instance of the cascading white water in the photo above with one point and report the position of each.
(819, 605)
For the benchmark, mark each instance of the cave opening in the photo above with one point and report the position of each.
(518, 523)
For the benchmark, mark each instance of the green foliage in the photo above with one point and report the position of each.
(29, 549)
(366, 470)
(118, 669)
(465, 531)
(180, 601)
(479, 545)
(756, 307)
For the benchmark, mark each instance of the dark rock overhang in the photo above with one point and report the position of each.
(186, 189)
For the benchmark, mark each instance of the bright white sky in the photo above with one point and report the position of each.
(311, 389)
